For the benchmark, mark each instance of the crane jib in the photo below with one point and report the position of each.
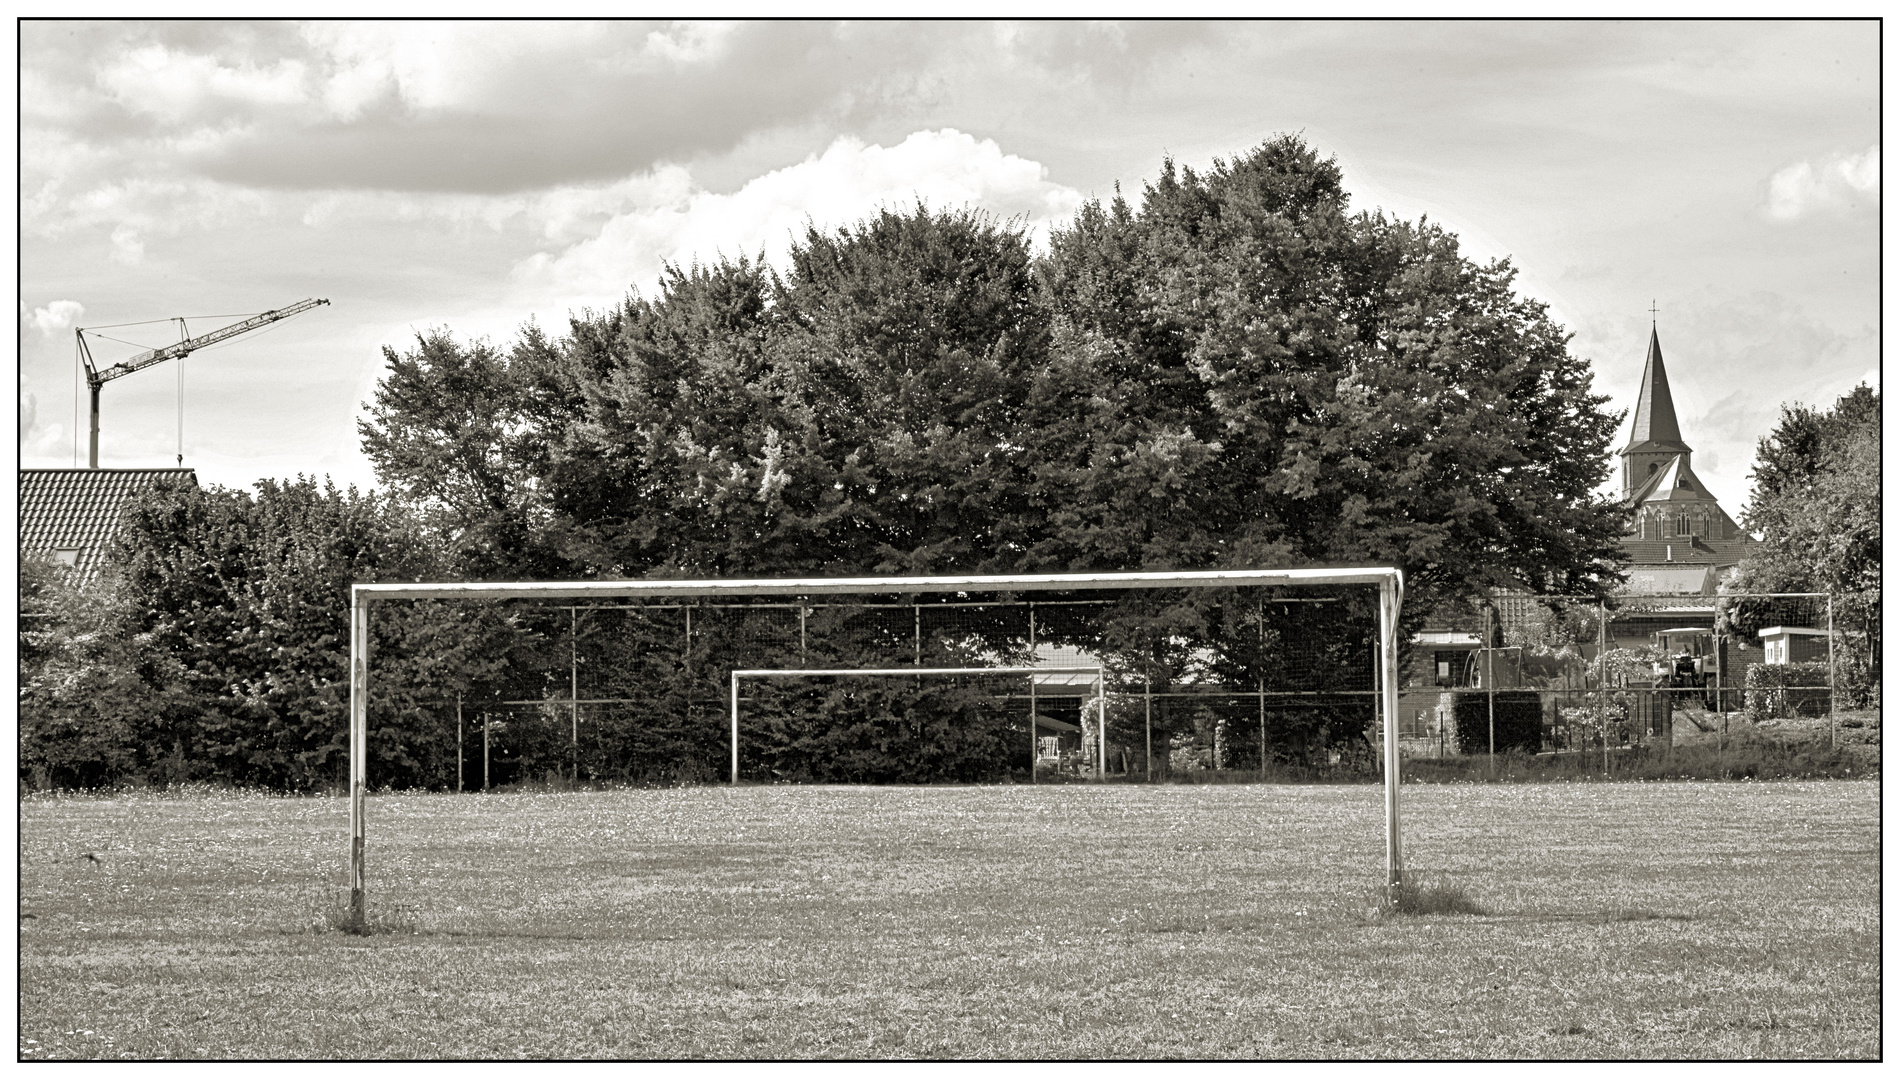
(154, 356)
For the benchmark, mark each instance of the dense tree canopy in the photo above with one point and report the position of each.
(1816, 506)
(1259, 378)
(1239, 371)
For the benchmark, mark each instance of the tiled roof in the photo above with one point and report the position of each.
(1671, 579)
(1685, 551)
(78, 509)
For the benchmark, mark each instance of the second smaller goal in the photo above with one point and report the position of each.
(1056, 712)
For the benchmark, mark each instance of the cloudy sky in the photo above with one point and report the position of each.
(476, 176)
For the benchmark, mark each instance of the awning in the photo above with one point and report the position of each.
(1052, 724)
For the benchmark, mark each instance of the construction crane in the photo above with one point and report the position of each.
(96, 378)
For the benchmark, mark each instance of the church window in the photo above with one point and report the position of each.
(1682, 525)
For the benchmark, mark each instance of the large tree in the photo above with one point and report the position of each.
(240, 603)
(1246, 373)
(1816, 506)
(1240, 372)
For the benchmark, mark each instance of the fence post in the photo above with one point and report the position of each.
(1032, 692)
(485, 729)
(1603, 678)
(1831, 743)
(1101, 724)
(1260, 618)
(1148, 716)
(1491, 690)
(458, 744)
(574, 688)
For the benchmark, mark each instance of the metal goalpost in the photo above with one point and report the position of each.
(1389, 580)
(1101, 699)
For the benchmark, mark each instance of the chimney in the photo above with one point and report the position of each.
(1668, 553)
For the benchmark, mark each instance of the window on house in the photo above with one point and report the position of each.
(1682, 525)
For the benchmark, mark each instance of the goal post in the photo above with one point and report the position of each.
(1388, 581)
(1101, 695)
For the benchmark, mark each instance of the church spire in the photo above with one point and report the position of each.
(1655, 427)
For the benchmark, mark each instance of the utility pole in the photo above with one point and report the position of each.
(97, 378)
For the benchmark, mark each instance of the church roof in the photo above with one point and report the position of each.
(1672, 483)
(1655, 425)
(76, 511)
(1685, 550)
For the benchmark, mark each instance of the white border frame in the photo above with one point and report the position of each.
(1390, 580)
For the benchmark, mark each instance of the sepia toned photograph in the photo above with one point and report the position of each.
(960, 540)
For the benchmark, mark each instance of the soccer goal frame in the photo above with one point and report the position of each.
(1101, 696)
(1389, 580)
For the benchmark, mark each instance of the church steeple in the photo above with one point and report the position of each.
(1655, 409)
(1655, 439)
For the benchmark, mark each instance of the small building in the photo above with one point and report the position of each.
(71, 515)
(1793, 644)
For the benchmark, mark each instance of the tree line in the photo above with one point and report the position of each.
(1239, 371)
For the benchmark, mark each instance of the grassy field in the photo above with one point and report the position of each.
(1656, 920)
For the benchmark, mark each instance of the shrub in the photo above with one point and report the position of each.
(1519, 720)
(1785, 690)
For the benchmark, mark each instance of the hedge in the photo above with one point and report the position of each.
(1519, 715)
(1785, 690)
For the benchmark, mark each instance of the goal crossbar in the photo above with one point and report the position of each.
(1101, 685)
(1390, 581)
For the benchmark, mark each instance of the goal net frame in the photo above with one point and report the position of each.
(1389, 580)
(1099, 671)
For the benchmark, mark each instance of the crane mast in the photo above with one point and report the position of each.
(96, 378)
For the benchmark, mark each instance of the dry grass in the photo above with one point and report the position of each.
(1622, 921)
(1415, 896)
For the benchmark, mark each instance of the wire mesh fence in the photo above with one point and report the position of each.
(1183, 679)
(1159, 684)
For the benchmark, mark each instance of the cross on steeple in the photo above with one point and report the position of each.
(1652, 312)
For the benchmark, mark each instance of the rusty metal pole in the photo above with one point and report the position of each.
(359, 747)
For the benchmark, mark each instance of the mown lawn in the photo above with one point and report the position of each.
(1658, 920)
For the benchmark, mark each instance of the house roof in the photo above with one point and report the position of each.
(77, 510)
(1777, 631)
(1671, 580)
(1654, 427)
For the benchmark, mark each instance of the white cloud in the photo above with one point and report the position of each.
(56, 317)
(127, 248)
(177, 87)
(675, 221)
(1837, 182)
(37, 439)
